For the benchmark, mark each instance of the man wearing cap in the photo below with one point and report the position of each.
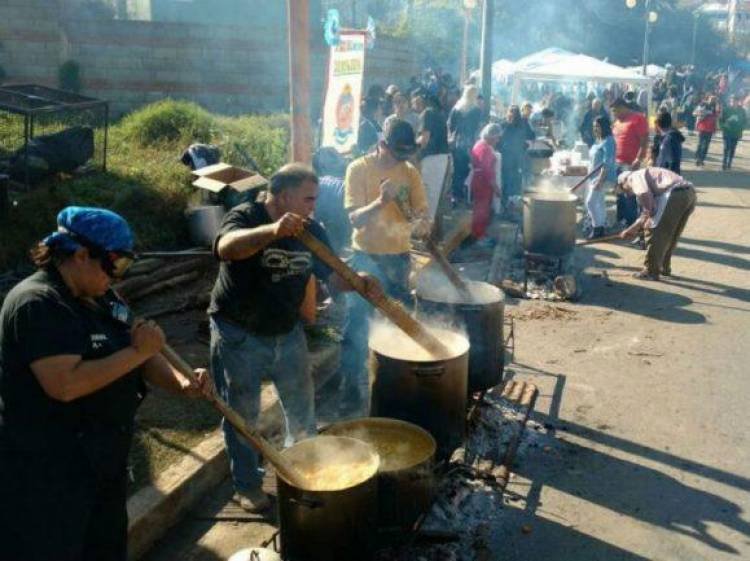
(666, 201)
(256, 330)
(386, 200)
(630, 129)
(72, 375)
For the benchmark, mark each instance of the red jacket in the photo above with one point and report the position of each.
(707, 123)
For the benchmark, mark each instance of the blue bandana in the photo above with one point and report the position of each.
(99, 226)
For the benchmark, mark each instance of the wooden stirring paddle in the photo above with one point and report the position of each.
(447, 268)
(390, 308)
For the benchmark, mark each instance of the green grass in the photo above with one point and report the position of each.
(145, 181)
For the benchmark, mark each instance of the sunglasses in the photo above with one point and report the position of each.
(114, 263)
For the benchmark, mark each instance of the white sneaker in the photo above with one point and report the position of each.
(252, 501)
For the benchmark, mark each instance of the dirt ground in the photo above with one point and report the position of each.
(644, 400)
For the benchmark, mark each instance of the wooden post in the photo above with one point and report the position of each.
(298, 12)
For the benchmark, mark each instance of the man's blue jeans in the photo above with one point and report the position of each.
(239, 361)
(393, 273)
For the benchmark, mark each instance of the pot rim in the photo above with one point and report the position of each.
(387, 423)
(423, 293)
(549, 197)
(458, 345)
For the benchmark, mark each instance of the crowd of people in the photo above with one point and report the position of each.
(73, 368)
(702, 104)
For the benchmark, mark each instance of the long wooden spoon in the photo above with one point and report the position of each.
(390, 308)
(445, 265)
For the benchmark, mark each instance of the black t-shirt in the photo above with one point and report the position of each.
(40, 318)
(464, 127)
(264, 293)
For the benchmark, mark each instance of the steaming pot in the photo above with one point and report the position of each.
(482, 319)
(405, 477)
(549, 223)
(332, 525)
(431, 394)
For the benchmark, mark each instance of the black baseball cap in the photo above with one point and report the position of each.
(399, 138)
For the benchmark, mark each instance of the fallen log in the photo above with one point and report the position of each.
(129, 287)
(143, 267)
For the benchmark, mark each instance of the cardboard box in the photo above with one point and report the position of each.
(222, 176)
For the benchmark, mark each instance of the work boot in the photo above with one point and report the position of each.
(254, 500)
(646, 275)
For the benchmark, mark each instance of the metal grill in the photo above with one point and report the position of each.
(29, 110)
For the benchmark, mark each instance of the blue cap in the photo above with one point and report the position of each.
(99, 226)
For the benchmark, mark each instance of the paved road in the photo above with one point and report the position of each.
(647, 387)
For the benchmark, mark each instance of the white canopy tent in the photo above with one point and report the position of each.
(542, 58)
(651, 70)
(569, 67)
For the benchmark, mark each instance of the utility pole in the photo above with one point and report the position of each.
(646, 37)
(298, 31)
(488, 15)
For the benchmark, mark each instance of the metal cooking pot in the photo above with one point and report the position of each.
(204, 223)
(337, 525)
(482, 319)
(405, 477)
(549, 223)
(430, 394)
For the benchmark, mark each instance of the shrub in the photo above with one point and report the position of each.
(264, 138)
(69, 76)
(168, 120)
(145, 181)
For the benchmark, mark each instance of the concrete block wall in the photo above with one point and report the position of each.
(228, 69)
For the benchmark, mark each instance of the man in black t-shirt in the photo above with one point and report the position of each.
(256, 331)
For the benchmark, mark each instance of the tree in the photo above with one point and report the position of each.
(601, 28)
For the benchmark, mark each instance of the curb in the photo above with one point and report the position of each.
(154, 509)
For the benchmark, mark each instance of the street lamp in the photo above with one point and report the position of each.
(651, 17)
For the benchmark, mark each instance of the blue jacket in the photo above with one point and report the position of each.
(603, 152)
(670, 151)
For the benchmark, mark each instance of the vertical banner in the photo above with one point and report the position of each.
(344, 91)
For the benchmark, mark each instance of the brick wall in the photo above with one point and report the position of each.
(228, 69)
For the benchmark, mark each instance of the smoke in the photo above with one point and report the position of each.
(389, 340)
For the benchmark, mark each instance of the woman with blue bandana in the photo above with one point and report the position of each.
(72, 374)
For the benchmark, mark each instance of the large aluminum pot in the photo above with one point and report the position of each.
(549, 223)
(334, 522)
(203, 223)
(482, 318)
(405, 477)
(429, 392)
